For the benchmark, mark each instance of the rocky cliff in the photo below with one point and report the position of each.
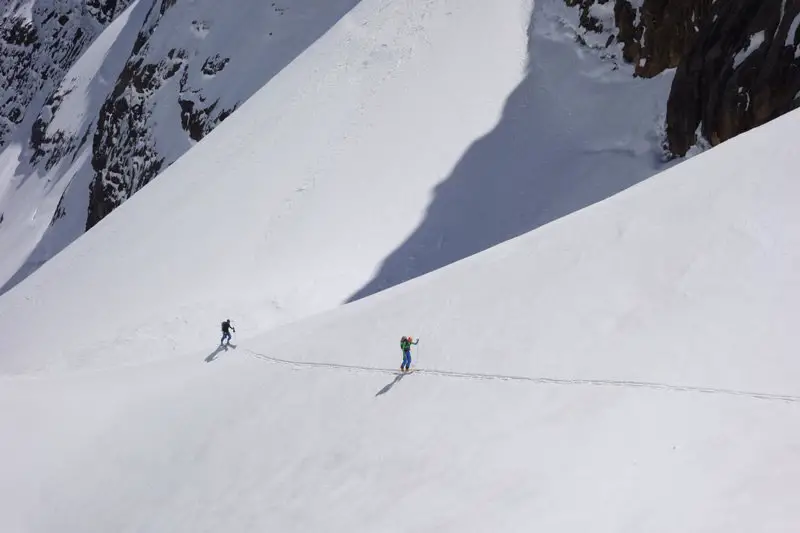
(39, 42)
(125, 156)
(741, 71)
(737, 61)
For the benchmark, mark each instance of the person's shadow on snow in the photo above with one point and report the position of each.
(389, 386)
(221, 348)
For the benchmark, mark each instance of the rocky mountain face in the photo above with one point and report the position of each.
(125, 156)
(742, 70)
(737, 61)
(41, 39)
(39, 42)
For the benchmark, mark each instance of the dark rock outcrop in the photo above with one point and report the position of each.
(737, 60)
(125, 157)
(743, 71)
(655, 36)
(35, 53)
(658, 36)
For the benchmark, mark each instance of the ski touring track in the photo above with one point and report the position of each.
(298, 365)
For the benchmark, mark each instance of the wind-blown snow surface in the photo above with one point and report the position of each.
(664, 317)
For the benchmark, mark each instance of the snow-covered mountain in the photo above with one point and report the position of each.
(88, 121)
(116, 109)
(628, 366)
(446, 146)
(573, 112)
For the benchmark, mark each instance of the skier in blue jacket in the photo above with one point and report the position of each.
(405, 345)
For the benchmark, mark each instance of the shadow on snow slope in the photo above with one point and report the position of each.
(565, 140)
(221, 348)
(390, 385)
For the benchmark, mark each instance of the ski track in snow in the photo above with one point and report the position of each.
(297, 365)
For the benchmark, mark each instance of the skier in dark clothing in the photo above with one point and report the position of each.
(226, 332)
(405, 345)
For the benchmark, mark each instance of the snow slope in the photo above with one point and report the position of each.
(630, 366)
(396, 144)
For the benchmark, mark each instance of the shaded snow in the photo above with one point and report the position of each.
(24, 9)
(791, 37)
(604, 13)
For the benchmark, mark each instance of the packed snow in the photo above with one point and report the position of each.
(629, 366)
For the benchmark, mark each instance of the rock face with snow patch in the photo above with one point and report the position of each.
(193, 65)
(125, 157)
(39, 42)
(737, 61)
(743, 71)
(655, 34)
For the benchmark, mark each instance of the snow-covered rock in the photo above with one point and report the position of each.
(193, 64)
